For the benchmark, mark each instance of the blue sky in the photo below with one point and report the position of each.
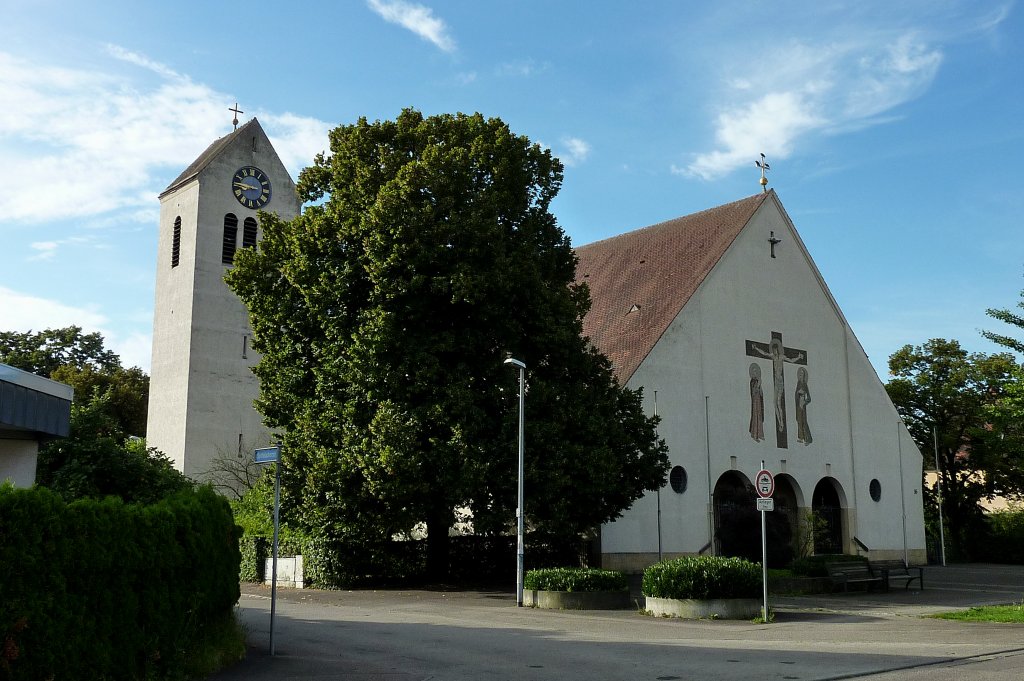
(894, 130)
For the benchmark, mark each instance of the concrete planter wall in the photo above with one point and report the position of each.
(577, 600)
(721, 608)
(289, 571)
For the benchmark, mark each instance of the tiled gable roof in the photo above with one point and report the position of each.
(639, 281)
(206, 157)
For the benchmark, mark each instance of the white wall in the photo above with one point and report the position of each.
(18, 461)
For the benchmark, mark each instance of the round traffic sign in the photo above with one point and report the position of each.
(764, 484)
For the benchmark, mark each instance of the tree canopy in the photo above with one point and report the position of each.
(940, 385)
(384, 313)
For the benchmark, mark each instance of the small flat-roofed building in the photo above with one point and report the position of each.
(33, 410)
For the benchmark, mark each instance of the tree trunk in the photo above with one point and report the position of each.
(438, 524)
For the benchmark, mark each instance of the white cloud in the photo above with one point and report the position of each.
(576, 151)
(805, 88)
(522, 68)
(416, 18)
(62, 144)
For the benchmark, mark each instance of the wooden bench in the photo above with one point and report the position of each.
(854, 572)
(897, 570)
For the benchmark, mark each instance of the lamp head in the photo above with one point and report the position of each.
(514, 362)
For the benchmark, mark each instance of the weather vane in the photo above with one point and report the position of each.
(762, 164)
(238, 111)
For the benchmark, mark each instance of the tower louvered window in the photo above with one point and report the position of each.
(249, 233)
(227, 255)
(176, 243)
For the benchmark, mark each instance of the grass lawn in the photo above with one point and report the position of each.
(990, 613)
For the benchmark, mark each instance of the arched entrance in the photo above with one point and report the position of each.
(737, 525)
(738, 522)
(828, 512)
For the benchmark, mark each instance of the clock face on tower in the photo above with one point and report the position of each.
(251, 187)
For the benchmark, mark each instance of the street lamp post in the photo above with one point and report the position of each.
(519, 506)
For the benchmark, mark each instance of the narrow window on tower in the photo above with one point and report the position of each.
(245, 347)
(249, 233)
(176, 242)
(239, 445)
(227, 255)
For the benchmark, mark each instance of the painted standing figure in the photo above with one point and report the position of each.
(756, 403)
(780, 397)
(803, 398)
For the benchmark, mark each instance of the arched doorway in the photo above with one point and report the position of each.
(828, 512)
(737, 525)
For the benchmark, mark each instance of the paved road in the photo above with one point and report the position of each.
(386, 635)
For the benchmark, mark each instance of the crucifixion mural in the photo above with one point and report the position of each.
(780, 355)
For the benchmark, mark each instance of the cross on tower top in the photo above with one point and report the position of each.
(762, 164)
(238, 111)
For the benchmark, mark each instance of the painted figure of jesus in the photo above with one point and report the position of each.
(780, 385)
(756, 403)
(803, 398)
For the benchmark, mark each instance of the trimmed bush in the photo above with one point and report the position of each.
(108, 590)
(703, 578)
(575, 579)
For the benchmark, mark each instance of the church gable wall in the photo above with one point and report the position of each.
(727, 326)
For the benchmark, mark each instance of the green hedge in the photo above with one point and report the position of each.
(102, 589)
(703, 577)
(1004, 537)
(575, 579)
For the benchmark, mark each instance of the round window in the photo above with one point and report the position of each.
(875, 488)
(677, 478)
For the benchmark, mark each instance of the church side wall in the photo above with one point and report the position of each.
(172, 322)
(889, 455)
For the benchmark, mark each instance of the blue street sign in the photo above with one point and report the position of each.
(268, 455)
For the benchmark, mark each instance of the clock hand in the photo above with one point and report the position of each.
(244, 186)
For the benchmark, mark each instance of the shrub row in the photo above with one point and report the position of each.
(102, 589)
(335, 564)
(1003, 537)
(575, 579)
(703, 577)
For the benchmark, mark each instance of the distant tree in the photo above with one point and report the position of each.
(383, 314)
(46, 351)
(939, 385)
(81, 360)
(1011, 318)
(104, 453)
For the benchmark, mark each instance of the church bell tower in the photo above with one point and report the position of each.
(201, 386)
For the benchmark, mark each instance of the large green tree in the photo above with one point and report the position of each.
(941, 386)
(384, 312)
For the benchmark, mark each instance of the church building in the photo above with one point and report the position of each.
(725, 322)
(720, 316)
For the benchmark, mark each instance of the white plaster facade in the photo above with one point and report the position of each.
(699, 368)
(201, 385)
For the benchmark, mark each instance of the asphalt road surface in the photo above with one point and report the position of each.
(383, 635)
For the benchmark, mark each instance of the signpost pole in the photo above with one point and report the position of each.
(277, 525)
(273, 455)
(765, 487)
